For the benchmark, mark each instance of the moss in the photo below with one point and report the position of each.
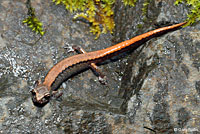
(139, 26)
(129, 2)
(32, 21)
(194, 14)
(100, 13)
(97, 12)
(145, 7)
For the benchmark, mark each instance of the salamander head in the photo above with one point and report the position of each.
(40, 94)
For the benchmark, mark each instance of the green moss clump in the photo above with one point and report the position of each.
(129, 2)
(145, 7)
(32, 21)
(97, 12)
(34, 24)
(194, 14)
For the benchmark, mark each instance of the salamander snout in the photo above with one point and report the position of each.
(40, 95)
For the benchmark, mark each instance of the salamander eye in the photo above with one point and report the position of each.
(33, 92)
(47, 97)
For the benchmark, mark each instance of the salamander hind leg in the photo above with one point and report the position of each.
(93, 66)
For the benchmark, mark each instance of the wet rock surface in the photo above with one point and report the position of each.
(155, 88)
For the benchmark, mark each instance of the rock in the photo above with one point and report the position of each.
(161, 94)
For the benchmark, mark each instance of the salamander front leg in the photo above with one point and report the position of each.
(93, 66)
(56, 94)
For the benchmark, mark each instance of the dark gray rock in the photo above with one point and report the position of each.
(152, 89)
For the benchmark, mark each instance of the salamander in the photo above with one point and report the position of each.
(73, 65)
